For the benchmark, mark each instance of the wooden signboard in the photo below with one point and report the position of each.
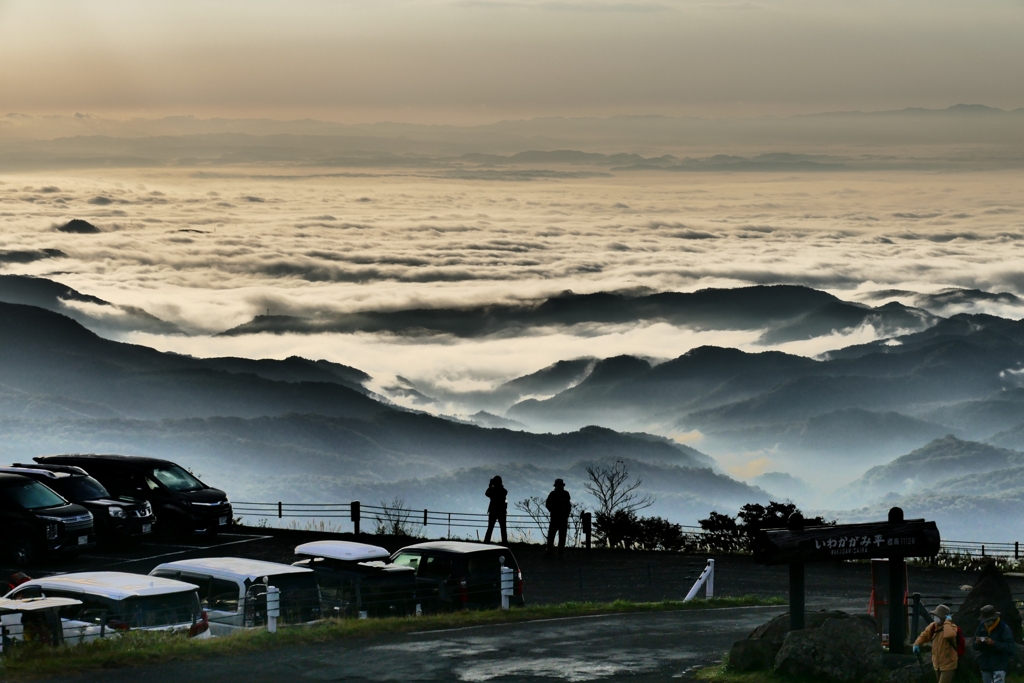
(896, 539)
(910, 538)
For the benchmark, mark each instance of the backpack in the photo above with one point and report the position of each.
(961, 644)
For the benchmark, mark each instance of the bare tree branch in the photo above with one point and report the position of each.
(611, 487)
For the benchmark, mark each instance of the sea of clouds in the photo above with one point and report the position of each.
(210, 250)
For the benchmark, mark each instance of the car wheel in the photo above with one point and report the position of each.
(23, 550)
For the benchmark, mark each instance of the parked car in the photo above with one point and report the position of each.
(38, 620)
(116, 520)
(122, 601)
(234, 590)
(36, 521)
(461, 575)
(184, 504)
(356, 578)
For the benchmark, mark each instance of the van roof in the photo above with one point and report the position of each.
(85, 458)
(235, 568)
(113, 585)
(34, 604)
(347, 551)
(456, 547)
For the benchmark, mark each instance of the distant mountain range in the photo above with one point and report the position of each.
(962, 135)
(972, 490)
(254, 423)
(932, 414)
(785, 312)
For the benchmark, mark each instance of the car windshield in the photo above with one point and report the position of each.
(408, 560)
(176, 479)
(81, 488)
(32, 495)
(161, 610)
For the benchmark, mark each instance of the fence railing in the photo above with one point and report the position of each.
(357, 512)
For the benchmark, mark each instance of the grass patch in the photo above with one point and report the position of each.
(152, 647)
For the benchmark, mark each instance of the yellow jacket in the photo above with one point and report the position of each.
(943, 640)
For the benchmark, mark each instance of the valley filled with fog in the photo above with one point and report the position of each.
(824, 325)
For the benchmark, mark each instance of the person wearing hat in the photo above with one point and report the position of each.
(497, 509)
(941, 633)
(994, 642)
(559, 506)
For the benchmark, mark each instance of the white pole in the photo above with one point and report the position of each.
(700, 581)
(273, 607)
(711, 581)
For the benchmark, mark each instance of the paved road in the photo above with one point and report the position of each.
(641, 647)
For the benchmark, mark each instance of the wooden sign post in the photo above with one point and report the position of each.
(895, 539)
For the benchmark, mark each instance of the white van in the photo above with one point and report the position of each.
(38, 620)
(122, 601)
(233, 590)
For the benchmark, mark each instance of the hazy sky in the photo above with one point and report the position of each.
(464, 61)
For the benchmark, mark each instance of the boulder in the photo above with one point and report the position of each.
(845, 650)
(758, 651)
(753, 655)
(991, 588)
(776, 629)
(913, 673)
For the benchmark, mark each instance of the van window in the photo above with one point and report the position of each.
(176, 479)
(436, 567)
(223, 595)
(408, 560)
(27, 592)
(161, 610)
(485, 563)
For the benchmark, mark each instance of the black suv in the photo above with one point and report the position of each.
(184, 504)
(35, 521)
(453, 575)
(117, 520)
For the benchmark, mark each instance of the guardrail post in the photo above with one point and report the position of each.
(273, 607)
(280, 510)
(710, 584)
(424, 516)
(1016, 550)
(983, 550)
(449, 525)
(586, 529)
(354, 514)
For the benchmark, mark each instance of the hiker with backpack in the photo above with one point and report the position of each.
(947, 643)
(994, 642)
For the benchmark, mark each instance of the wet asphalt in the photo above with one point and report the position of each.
(664, 646)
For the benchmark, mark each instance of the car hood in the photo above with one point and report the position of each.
(61, 511)
(206, 496)
(122, 502)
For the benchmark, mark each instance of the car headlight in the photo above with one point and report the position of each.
(51, 532)
(116, 512)
(148, 509)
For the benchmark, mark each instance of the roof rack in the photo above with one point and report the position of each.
(14, 469)
(70, 469)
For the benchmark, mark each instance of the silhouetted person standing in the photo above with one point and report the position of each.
(497, 509)
(559, 506)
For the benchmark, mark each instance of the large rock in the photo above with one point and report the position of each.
(845, 650)
(913, 673)
(758, 651)
(991, 588)
(753, 655)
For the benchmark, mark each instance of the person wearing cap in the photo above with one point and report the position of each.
(994, 642)
(497, 509)
(941, 633)
(559, 506)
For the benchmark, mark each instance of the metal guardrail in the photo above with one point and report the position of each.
(357, 512)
